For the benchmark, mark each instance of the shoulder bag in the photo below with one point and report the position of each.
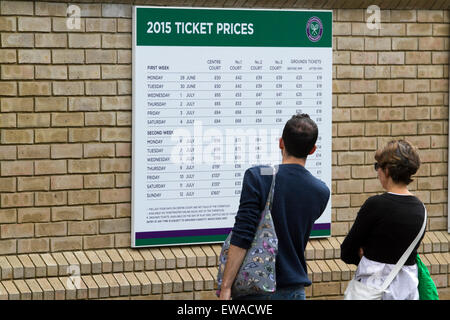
(427, 288)
(257, 272)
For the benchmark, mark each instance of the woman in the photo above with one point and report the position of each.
(387, 224)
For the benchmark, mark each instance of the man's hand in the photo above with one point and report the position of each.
(225, 294)
(235, 257)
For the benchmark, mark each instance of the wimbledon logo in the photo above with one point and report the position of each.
(314, 29)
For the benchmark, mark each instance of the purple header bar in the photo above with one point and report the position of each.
(182, 233)
(203, 232)
(322, 226)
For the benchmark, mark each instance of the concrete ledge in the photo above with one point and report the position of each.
(148, 286)
(319, 253)
(187, 272)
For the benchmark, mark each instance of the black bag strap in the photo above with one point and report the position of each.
(272, 187)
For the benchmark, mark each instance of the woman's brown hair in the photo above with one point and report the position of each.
(401, 159)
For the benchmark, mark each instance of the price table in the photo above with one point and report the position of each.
(203, 114)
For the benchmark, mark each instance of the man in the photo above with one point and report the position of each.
(299, 200)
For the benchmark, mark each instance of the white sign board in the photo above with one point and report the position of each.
(212, 90)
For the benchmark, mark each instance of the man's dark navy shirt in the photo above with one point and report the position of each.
(299, 200)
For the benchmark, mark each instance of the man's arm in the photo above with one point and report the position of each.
(235, 257)
(249, 212)
(244, 230)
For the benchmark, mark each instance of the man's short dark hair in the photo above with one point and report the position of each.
(300, 135)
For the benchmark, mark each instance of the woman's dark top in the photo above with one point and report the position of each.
(385, 227)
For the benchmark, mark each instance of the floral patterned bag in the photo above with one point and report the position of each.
(257, 272)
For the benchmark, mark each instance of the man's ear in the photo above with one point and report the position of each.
(313, 150)
(281, 144)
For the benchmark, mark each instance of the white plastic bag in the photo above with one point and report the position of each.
(357, 290)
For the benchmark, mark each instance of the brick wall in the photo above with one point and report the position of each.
(65, 127)
(389, 83)
(65, 121)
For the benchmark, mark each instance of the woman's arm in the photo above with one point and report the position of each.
(353, 244)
